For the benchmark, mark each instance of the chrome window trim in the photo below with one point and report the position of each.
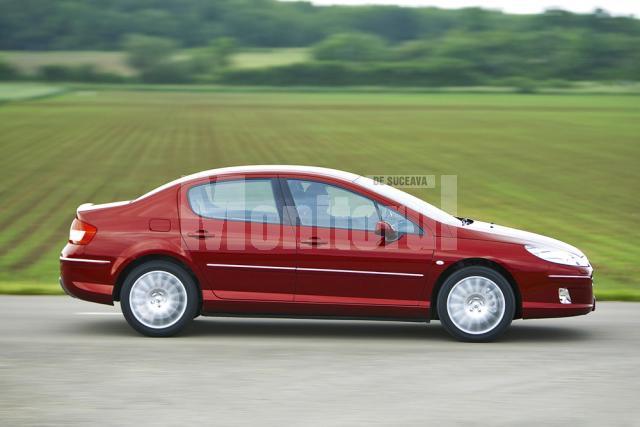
(90, 261)
(325, 270)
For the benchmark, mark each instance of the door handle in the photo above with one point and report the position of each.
(314, 241)
(200, 234)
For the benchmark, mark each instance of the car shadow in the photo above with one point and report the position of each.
(304, 328)
(333, 329)
(545, 333)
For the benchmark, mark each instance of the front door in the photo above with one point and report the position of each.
(240, 238)
(341, 260)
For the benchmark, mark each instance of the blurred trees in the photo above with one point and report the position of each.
(153, 57)
(76, 73)
(467, 46)
(157, 59)
(148, 52)
(351, 47)
(440, 73)
(7, 71)
(210, 60)
(81, 24)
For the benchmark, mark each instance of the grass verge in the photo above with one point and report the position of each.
(28, 91)
(580, 88)
(30, 288)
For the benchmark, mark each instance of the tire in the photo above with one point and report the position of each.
(159, 299)
(476, 304)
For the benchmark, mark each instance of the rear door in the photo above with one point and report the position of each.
(240, 237)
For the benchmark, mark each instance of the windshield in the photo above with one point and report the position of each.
(408, 200)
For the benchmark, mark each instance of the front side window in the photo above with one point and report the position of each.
(237, 200)
(324, 205)
(397, 221)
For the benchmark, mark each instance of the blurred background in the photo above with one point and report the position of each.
(537, 114)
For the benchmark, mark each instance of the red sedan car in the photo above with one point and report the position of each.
(313, 242)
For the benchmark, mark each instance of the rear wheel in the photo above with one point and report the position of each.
(159, 299)
(476, 304)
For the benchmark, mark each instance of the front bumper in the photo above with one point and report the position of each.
(545, 302)
(541, 310)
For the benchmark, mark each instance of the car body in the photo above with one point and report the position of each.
(314, 242)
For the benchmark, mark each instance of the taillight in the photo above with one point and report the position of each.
(81, 233)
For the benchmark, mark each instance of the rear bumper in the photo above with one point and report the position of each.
(94, 292)
(64, 288)
(90, 281)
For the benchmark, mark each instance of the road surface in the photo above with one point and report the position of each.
(64, 361)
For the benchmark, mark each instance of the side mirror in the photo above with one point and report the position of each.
(386, 231)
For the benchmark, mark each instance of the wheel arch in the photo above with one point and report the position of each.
(124, 272)
(467, 262)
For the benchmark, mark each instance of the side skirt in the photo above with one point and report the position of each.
(318, 317)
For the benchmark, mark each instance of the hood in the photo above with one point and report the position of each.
(486, 231)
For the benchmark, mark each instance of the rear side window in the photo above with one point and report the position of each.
(236, 200)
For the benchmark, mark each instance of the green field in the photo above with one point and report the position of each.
(30, 61)
(24, 91)
(115, 62)
(261, 58)
(566, 166)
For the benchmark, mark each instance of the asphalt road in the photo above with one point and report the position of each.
(64, 361)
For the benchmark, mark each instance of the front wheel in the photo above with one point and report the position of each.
(476, 304)
(159, 299)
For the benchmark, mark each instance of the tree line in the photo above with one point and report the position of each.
(104, 24)
(349, 45)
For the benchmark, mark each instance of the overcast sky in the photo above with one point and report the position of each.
(615, 7)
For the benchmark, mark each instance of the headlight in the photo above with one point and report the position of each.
(558, 256)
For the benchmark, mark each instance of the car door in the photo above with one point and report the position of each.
(239, 236)
(341, 260)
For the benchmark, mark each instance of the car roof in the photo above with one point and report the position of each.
(391, 193)
(275, 169)
(315, 170)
